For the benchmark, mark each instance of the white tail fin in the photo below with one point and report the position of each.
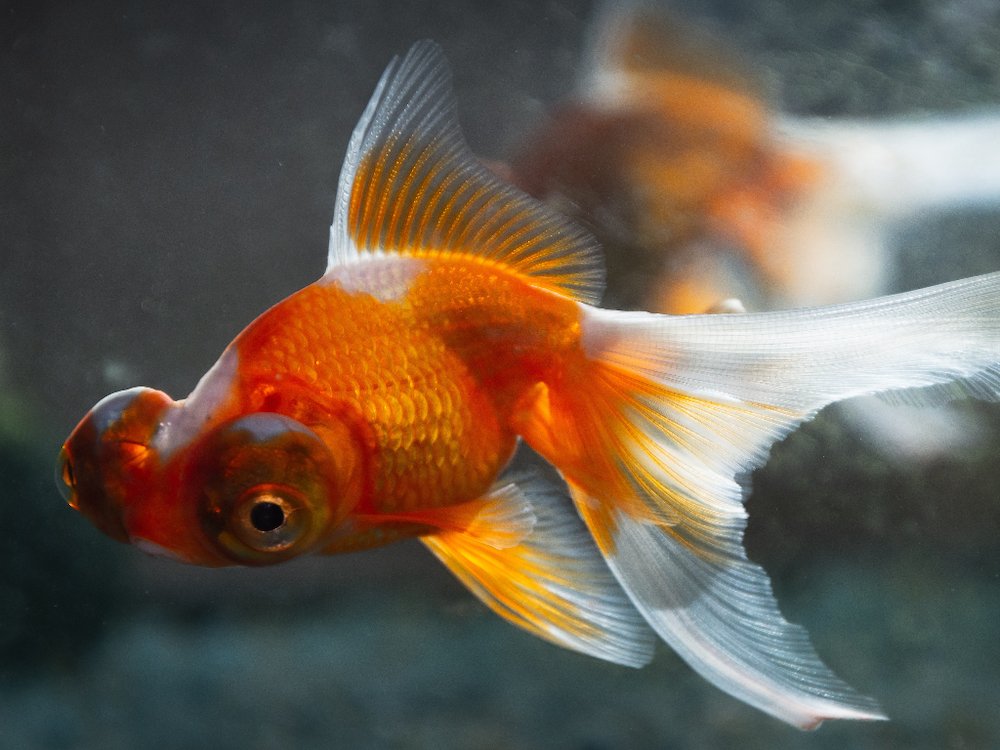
(656, 429)
(833, 242)
(903, 166)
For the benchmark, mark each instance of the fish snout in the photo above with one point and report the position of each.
(107, 459)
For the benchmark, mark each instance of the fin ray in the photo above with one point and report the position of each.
(410, 185)
(554, 584)
(720, 615)
(664, 417)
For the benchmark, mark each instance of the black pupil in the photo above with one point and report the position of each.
(267, 516)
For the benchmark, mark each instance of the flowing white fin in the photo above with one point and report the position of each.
(553, 583)
(411, 186)
(716, 609)
(834, 243)
(657, 428)
(887, 169)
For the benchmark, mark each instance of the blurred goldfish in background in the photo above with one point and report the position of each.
(709, 200)
(671, 154)
(457, 317)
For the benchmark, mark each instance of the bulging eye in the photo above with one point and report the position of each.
(271, 518)
(268, 488)
(268, 512)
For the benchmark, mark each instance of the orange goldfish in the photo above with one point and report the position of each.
(458, 316)
(672, 154)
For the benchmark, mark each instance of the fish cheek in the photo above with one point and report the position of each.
(266, 489)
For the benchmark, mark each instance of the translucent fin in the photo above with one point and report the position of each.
(501, 520)
(666, 416)
(890, 168)
(834, 242)
(717, 611)
(410, 185)
(553, 584)
(779, 368)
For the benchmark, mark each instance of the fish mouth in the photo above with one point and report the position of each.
(65, 480)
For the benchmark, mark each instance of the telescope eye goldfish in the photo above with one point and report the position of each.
(456, 317)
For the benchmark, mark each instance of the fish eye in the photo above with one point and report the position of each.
(266, 488)
(267, 519)
(266, 515)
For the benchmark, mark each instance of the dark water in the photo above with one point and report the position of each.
(168, 171)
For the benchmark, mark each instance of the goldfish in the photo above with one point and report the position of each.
(673, 153)
(457, 317)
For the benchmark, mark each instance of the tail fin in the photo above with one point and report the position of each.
(655, 429)
(903, 166)
(833, 243)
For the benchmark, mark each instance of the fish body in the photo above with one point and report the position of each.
(673, 154)
(456, 317)
(668, 151)
(396, 365)
(414, 377)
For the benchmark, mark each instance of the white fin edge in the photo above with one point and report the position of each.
(720, 615)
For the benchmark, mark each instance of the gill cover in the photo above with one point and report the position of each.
(267, 488)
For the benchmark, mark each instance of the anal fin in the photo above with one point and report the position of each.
(553, 582)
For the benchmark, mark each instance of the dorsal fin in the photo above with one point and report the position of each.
(411, 185)
(632, 41)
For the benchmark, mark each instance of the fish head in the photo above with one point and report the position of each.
(255, 489)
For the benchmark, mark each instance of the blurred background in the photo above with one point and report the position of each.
(167, 172)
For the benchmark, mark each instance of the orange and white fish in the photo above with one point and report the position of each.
(672, 154)
(456, 317)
